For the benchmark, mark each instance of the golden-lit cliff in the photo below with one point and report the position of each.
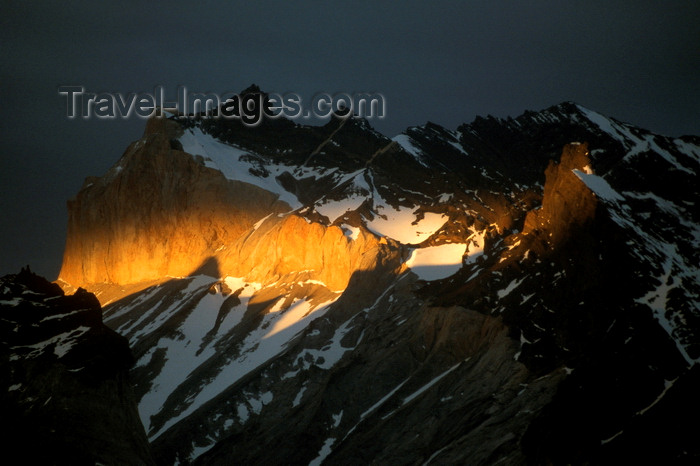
(160, 212)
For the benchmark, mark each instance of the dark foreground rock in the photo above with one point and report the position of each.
(64, 391)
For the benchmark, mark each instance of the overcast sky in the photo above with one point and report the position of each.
(446, 62)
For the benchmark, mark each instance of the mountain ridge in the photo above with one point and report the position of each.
(500, 274)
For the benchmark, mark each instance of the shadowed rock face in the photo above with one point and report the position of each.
(262, 277)
(378, 406)
(64, 392)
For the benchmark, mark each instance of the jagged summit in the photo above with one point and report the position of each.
(252, 89)
(443, 296)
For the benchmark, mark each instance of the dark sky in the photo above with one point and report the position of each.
(638, 61)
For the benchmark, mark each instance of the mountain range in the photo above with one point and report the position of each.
(515, 291)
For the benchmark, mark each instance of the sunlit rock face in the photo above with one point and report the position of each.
(180, 198)
(161, 212)
(567, 203)
(280, 247)
(158, 212)
(441, 297)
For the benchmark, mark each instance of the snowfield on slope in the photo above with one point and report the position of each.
(400, 223)
(227, 159)
(436, 262)
(278, 327)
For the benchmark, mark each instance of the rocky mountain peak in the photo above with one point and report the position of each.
(252, 89)
(567, 203)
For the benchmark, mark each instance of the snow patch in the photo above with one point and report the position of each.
(350, 232)
(227, 159)
(425, 387)
(329, 354)
(334, 209)
(475, 246)
(323, 452)
(402, 225)
(297, 399)
(406, 143)
(436, 262)
(62, 343)
(445, 197)
(599, 186)
(511, 286)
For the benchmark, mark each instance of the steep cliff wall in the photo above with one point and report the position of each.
(281, 246)
(160, 212)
